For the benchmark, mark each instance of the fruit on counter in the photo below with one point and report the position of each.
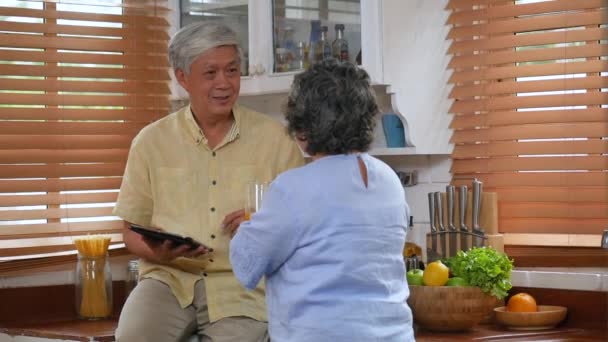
(456, 281)
(435, 274)
(522, 302)
(414, 277)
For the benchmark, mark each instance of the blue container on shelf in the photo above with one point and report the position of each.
(393, 130)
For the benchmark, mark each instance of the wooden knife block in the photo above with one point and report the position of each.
(488, 218)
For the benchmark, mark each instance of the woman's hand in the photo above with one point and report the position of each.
(232, 222)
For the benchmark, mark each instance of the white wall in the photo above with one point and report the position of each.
(433, 175)
(415, 66)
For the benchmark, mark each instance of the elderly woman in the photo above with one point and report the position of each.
(329, 236)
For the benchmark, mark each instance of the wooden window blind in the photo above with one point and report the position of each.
(530, 82)
(78, 80)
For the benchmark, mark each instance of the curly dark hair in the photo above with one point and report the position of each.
(332, 105)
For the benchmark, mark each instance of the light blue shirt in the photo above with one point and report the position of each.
(332, 253)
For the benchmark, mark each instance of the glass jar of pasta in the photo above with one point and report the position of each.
(93, 287)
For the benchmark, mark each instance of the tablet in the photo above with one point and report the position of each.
(159, 235)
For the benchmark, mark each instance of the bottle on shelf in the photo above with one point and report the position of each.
(322, 49)
(289, 44)
(340, 45)
(315, 32)
(301, 61)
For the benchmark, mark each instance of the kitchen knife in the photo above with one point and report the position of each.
(462, 206)
(450, 192)
(432, 252)
(440, 226)
(477, 230)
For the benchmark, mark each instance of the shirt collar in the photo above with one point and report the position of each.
(197, 133)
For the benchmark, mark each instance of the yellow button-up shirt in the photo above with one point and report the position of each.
(175, 182)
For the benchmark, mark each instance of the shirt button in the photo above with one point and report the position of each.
(213, 153)
(212, 209)
(213, 236)
(204, 274)
(210, 260)
(213, 182)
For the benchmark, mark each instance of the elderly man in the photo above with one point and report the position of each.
(187, 174)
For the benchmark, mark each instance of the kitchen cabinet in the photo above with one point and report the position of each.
(262, 24)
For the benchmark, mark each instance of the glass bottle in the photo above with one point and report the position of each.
(132, 276)
(301, 62)
(289, 45)
(315, 32)
(322, 47)
(93, 287)
(340, 44)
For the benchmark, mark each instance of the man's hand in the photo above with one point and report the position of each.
(232, 221)
(164, 252)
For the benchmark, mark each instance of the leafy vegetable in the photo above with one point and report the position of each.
(483, 267)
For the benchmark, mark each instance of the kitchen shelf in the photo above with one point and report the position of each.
(392, 151)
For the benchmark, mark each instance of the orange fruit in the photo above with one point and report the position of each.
(435, 274)
(522, 302)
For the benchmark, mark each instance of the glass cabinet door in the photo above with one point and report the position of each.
(234, 13)
(308, 31)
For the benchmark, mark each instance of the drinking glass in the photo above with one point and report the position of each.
(253, 197)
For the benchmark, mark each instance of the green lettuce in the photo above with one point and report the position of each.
(485, 268)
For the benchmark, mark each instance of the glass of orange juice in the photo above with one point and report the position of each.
(253, 197)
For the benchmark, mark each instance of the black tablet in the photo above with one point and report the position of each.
(160, 235)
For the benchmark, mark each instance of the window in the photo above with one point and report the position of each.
(530, 116)
(78, 80)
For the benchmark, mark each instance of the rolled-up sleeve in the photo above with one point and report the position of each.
(134, 203)
(264, 243)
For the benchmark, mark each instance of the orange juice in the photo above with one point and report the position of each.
(247, 215)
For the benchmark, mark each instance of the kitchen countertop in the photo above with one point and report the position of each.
(104, 331)
(491, 332)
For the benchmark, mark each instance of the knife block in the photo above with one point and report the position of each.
(488, 219)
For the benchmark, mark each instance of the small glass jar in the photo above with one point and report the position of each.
(411, 263)
(132, 276)
(93, 287)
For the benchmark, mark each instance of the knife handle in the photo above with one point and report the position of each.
(439, 209)
(432, 212)
(462, 205)
(477, 188)
(450, 192)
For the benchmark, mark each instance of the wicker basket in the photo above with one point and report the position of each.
(450, 308)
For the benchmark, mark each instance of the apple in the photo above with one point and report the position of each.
(414, 277)
(456, 281)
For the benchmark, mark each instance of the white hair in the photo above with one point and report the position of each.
(195, 39)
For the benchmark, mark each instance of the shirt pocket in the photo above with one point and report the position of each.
(174, 195)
